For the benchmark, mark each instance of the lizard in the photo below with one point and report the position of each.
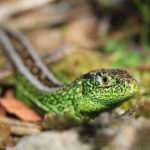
(84, 98)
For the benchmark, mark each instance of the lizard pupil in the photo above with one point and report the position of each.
(105, 80)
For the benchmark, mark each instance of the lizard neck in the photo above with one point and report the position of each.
(59, 101)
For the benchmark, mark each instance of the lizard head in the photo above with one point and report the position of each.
(103, 90)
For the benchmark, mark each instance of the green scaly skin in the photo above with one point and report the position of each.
(85, 97)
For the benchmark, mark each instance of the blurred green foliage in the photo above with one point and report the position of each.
(125, 59)
(122, 57)
(115, 45)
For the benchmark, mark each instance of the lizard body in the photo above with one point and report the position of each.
(84, 98)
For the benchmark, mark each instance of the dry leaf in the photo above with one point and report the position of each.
(2, 111)
(18, 108)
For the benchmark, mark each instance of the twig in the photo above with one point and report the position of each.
(7, 10)
(132, 110)
(145, 67)
(20, 127)
(47, 18)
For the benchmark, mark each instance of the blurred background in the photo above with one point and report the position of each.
(75, 36)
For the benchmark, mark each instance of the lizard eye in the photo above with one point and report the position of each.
(105, 80)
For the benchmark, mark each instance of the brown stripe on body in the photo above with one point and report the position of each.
(29, 62)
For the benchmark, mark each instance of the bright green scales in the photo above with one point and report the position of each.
(84, 98)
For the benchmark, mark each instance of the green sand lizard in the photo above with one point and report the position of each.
(84, 98)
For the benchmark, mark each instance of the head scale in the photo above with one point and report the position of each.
(103, 90)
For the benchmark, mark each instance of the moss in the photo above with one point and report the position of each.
(80, 62)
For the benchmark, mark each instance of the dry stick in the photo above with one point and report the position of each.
(45, 19)
(21, 127)
(7, 10)
(132, 110)
(144, 67)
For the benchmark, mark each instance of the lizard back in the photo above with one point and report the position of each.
(26, 60)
